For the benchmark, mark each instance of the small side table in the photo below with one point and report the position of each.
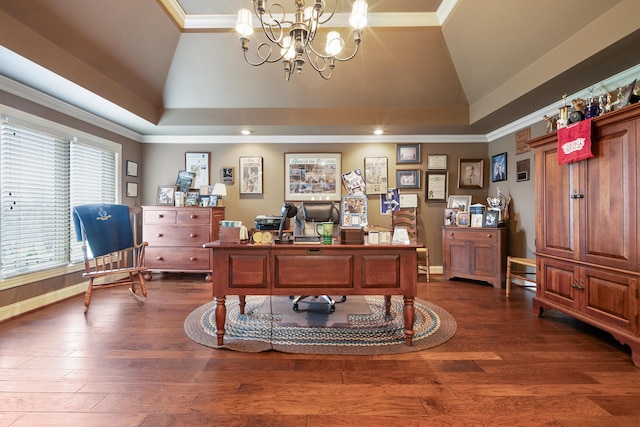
(527, 262)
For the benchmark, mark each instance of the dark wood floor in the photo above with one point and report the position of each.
(131, 364)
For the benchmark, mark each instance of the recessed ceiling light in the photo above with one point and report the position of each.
(378, 131)
(246, 132)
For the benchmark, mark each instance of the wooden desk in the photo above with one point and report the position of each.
(287, 269)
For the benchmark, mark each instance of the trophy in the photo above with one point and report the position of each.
(563, 116)
(500, 203)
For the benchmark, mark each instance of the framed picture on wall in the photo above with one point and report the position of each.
(250, 175)
(408, 178)
(312, 176)
(375, 175)
(132, 189)
(437, 162)
(132, 168)
(470, 173)
(499, 167)
(198, 163)
(408, 153)
(437, 186)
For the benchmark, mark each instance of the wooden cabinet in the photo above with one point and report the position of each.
(475, 253)
(176, 235)
(587, 229)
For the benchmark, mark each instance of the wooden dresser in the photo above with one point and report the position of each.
(587, 228)
(176, 235)
(475, 253)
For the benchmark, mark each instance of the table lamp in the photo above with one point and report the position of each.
(219, 190)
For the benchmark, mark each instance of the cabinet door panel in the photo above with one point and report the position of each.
(557, 211)
(610, 214)
(556, 282)
(610, 297)
(458, 257)
(484, 259)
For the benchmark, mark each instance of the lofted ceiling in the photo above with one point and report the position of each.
(426, 67)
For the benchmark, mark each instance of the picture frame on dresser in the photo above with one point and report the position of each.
(460, 202)
(490, 218)
(166, 195)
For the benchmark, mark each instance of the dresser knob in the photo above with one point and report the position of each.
(160, 216)
(193, 235)
(194, 216)
(159, 235)
(193, 258)
(159, 258)
(489, 235)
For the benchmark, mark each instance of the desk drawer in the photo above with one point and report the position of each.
(183, 259)
(176, 236)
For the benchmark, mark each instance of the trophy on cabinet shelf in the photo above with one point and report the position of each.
(500, 203)
(563, 115)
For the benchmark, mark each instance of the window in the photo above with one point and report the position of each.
(43, 175)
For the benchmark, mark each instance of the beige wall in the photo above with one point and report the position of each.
(161, 163)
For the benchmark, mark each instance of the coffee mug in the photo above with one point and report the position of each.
(325, 230)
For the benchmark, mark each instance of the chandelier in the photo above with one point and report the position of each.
(292, 39)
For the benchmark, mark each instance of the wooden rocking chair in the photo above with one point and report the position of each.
(111, 256)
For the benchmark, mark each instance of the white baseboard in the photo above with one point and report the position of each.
(21, 307)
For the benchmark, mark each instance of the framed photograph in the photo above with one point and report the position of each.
(192, 198)
(227, 175)
(312, 176)
(408, 178)
(354, 211)
(204, 200)
(132, 168)
(166, 195)
(490, 218)
(462, 203)
(408, 153)
(463, 219)
(185, 180)
(354, 182)
(375, 174)
(450, 216)
(198, 163)
(132, 189)
(251, 175)
(390, 201)
(476, 220)
(626, 95)
(437, 162)
(499, 167)
(437, 183)
(470, 173)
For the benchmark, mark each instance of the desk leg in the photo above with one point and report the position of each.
(243, 303)
(409, 318)
(387, 305)
(221, 317)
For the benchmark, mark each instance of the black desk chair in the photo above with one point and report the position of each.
(309, 214)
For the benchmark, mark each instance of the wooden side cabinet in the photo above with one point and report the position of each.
(176, 235)
(588, 228)
(475, 253)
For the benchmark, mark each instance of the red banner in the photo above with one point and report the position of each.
(574, 142)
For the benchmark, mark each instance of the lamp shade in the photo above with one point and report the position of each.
(219, 190)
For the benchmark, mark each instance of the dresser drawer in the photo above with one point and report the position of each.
(158, 235)
(484, 235)
(183, 259)
(188, 216)
(160, 216)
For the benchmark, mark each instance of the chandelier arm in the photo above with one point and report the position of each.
(333, 12)
(263, 59)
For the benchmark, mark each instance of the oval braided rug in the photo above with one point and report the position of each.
(358, 326)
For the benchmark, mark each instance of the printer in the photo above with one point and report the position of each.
(270, 222)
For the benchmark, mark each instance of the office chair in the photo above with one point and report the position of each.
(310, 213)
(408, 218)
(108, 245)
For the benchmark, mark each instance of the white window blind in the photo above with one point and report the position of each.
(42, 177)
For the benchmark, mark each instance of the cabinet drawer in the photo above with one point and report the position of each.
(183, 259)
(160, 216)
(485, 235)
(158, 235)
(194, 216)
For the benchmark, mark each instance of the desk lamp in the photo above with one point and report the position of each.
(289, 210)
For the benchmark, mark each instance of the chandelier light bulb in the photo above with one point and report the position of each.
(244, 25)
(334, 43)
(358, 18)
